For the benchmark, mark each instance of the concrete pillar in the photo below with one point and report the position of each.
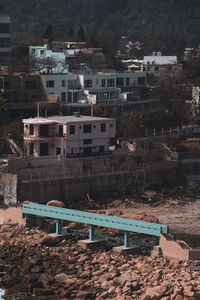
(126, 239)
(58, 226)
(92, 233)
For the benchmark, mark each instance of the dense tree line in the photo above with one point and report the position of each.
(168, 25)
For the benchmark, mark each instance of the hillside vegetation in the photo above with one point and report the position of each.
(166, 25)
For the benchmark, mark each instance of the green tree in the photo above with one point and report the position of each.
(133, 125)
(81, 34)
(172, 95)
(19, 58)
(49, 33)
(71, 35)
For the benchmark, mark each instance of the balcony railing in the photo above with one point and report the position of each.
(88, 154)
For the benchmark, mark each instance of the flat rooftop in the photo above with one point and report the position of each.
(63, 119)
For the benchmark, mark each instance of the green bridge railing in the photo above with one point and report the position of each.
(94, 219)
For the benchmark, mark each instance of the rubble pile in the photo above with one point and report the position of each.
(39, 266)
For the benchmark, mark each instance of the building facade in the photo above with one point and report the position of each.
(160, 65)
(5, 37)
(45, 60)
(107, 85)
(68, 135)
(22, 92)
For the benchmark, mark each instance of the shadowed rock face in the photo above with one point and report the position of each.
(61, 270)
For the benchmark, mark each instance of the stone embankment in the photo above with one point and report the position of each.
(41, 267)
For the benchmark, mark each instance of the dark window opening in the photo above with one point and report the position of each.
(31, 129)
(58, 151)
(44, 149)
(141, 80)
(87, 150)
(50, 83)
(101, 148)
(44, 130)
(120, 81)
(63, 96)
(87, 128)
(72, 129)
(87, 142)
(103, 127)
(127, 81)
(60, 130)
(88, 83)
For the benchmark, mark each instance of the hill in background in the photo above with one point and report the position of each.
(166, 25)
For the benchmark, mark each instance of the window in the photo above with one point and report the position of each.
(103, 127)
(30, 84)
(41, 52)
(58, 151)
(144, 69)
(50, 83)
(141, 80)
(4, 28)
(97, 81)
(88, 83)
(63, 96)
(111, 125)
(31, 149)
(72, 129)
(87, 128)
(63, 83)
(44, 130)
(156, 69)
(127, 81)
(110, 82)
(69, 95)
(87, 142)
(120, 81)
(31, 129)
(4, 42)
(103, 82)
(33, 51)
(101, 148)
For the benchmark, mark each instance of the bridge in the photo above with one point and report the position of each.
(93, 220)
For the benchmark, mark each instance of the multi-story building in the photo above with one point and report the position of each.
(43, 59)
(22, 92)
(68, 135)
(5, 37)
(106, 85)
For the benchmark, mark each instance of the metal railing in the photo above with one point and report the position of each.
(94, 219)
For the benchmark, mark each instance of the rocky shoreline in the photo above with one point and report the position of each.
(40, 266)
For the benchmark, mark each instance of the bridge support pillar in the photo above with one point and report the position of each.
(58, 226)
(126, 239)
(92, 233)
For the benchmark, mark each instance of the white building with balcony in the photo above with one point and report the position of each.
(75, 135)
(105, 85)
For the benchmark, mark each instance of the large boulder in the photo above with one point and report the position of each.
(56, 203)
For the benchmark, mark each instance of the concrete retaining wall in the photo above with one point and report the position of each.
(8, 188)
(177, 249)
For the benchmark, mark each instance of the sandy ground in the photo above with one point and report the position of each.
(11, 214)
(180, 217)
